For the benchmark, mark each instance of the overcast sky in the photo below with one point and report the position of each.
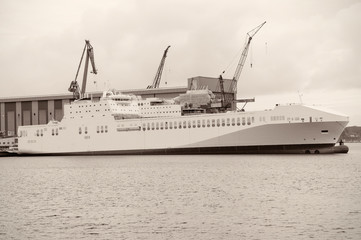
(309, 50)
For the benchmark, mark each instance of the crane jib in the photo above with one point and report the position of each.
(242, 60)
(74, 86)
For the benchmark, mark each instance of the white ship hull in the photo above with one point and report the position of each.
(285, 129)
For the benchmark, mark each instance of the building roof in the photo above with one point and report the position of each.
(94, 94)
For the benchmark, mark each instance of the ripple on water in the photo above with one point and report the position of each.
(181, 197)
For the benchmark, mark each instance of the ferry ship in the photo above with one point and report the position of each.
(127, 124)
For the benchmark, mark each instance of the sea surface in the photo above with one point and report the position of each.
(182, 197)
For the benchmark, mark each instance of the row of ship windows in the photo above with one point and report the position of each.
(6, 143)
(117, 110)
(157, 107)
(39, 132)
(152, 113)
(277, 118)
(54, 132)
(129, 110)
(88, 111)
(100, 129)
(143, 104)
(82, 106)
(198, 123)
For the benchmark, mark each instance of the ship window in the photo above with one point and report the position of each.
(56, 132)
(106, 129)
(218, 122)
(157, 126)
(243, 121)
(79, 130)
(324, 131)
(143, 126)
(97, 129)
(101, 129)
(248, 121)
(203, 123)
(228, 121)
(233, 122)
(189, 124)
(175, 125)
(199, 123)
(252, 119)
(170, 125)
(86, 130)
(194, 123)
(161, 125)
(223, 122)
(213, 122)
(52, 132)
(148, 126)
(153, 125)
(208, 123)
(184, 124)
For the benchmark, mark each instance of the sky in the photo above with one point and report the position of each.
(308, 51)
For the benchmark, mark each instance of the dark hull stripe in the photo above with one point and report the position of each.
(269, 149)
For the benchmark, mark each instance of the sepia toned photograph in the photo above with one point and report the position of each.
(137, 119)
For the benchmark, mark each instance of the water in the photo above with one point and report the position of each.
(182, 197)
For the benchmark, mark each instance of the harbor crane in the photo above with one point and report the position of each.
(158, 75)
(242, 60)
(74, 86)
